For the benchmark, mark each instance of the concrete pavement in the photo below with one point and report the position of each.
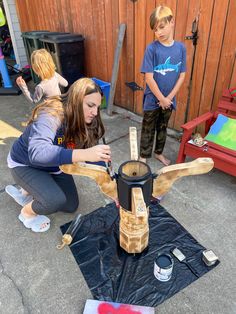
(37, 278)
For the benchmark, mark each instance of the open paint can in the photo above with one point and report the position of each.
(163, 266)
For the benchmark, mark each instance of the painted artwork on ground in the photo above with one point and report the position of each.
(102, 307)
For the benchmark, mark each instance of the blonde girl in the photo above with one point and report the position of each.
(43, 65)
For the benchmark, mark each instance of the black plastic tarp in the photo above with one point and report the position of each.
(114, 275)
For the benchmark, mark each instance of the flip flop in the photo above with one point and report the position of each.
(15, 193)
(35, 223)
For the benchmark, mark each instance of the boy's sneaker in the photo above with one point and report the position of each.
(16, 193)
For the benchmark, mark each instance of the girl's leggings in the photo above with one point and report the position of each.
(51, 192)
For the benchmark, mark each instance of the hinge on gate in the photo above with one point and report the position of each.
(134, 86)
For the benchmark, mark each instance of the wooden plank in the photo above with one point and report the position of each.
(139, 48)
(149, 34)
(213, 54)
(193, 11)
(181, 15)
(129, 99)
(123, 55)
(82, 21)
(100, 38)
(115, 31)
(133, 142)
(44, 15)
(204, 30)
(109, 37)
(116, 67)
(227, 54)
(54, 17)
(23, 14)
(66, 20)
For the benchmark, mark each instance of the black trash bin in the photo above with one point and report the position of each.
(31, 43)
(67, 51)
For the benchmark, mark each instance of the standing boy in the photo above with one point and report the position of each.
(164, 66)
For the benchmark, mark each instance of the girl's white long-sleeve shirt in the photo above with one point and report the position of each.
(45, 89)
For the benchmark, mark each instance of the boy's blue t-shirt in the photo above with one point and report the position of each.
(166, 63)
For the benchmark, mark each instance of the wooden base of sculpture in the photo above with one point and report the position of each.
(134, 228)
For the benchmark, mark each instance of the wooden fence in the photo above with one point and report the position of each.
(213, 70)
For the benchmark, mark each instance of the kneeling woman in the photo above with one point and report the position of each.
(49, 140)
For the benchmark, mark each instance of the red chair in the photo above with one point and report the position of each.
(224, 158)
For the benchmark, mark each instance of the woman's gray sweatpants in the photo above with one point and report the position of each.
(51, 192)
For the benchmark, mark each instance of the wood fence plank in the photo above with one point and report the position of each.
(129, 41)
(204, 30)
(82, 21)
(139, 48)
(123, 56)
(180, 16)
(99, 38)
(115, 30)
(227, 54)
(192, 14)
(213, 55)
(66, 18)
(45, 21)
(109, 38)
(23, 14)
(150, 6)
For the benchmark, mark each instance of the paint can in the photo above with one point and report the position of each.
(163, 266)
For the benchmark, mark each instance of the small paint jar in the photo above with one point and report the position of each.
(163, 266)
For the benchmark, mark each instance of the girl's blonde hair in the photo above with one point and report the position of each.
(160, 14)
(70, 112)
(42, 64)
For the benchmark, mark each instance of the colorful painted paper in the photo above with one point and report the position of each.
(223, 132)
(102, 307)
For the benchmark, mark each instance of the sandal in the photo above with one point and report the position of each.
(35, 223)
(15, 193)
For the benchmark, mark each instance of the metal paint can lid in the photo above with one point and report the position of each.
(163, 266)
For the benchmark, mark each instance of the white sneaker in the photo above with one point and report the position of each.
(16, 193)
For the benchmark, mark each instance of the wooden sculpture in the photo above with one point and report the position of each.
(133, 186)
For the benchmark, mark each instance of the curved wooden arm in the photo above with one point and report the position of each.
(97, 173)
(195, 122)
(169, 174)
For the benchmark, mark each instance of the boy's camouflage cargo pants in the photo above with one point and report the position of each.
(155, 120)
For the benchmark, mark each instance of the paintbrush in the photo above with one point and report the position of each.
(108, 164)
(182, 259)
(67, 238)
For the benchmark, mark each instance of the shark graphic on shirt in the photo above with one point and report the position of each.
(167, 67)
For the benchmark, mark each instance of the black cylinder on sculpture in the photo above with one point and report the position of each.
(133, 174)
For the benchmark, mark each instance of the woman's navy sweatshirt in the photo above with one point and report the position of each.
(42, 145)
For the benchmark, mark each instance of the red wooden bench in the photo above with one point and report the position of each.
(224, 158)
